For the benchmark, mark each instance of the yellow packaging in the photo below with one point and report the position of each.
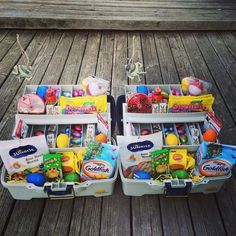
(79, 157)
(68, 162)
(179, 104)
(178, 159)
(81, 105)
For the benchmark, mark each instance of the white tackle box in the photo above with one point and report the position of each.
(134, 187)
(61, 190)
(64, 190)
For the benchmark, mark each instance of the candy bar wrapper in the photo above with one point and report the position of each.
(83, 105)
(214, 159)
(21, 154)
(102, 166)
(135, 152)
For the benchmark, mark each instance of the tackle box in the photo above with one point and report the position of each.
(134, 187)
(64, 190)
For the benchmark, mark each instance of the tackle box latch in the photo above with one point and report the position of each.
(56, 191)
(178, 189)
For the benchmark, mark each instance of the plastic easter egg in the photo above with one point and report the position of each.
(62, 141)
(76, 141)
(183, 139)
(210, 135)
(77, 127)
(39, 132)
(194, 90)
(181, 131)
(101, 138)
(180, 174)
(71, 177)
(37, 179)
(142, 89)
(76, 134)
(141, 175)
(41, 91)
(145, 131)
(172, 140)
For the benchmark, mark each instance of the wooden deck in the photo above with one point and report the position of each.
(119, 14)
(66, 57)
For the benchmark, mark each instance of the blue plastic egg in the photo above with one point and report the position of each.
(36, 179)
(141, 175)
(41, 91)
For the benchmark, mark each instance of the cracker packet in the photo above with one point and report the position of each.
(21, 154)
(135, 152)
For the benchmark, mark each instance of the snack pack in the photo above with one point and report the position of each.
(178, 159)
(101, 166)
(215, 159)
(179, 104)
(83, 105)
(135, 152)
(160, 162)
(52, 167)
(21, 154)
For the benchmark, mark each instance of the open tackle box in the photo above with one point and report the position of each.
(63, 123)
(159, 118)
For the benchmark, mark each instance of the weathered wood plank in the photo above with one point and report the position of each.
(119, 78)
(229, 41)
(6, 206)
(116, 216)
(146, 216)
(3, 33)
(89, 62)
(73, 63)
(11, 85)
(202, 71)
(25, 217)
(11, 58)
(40, 64)
(218, 71)
(224, 54)
(151, 60)
(205, 215)
(105, 58)
(7, 42)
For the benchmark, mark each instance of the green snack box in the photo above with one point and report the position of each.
(52, 167)
(160, 162)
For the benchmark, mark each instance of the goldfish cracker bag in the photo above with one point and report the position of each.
(179, 104)
(83, 105)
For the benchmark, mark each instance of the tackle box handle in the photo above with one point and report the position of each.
(119, 109)
(177, 190)
(58, 191)
(111, 100)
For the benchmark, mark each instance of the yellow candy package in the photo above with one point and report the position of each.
(83, 105)
(178, 159)
(179, 104)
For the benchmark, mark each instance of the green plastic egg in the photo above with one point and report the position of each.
(180, 174)
(71, 177)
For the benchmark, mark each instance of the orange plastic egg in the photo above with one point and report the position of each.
(210, 135)
(101, 138)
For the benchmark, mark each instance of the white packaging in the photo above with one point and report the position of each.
(21, 154)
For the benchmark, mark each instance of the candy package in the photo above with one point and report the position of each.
(21, 154)
(53, 167)
(179, 104)
(135, 152)
(160, 162)
(215, 159)
(83, 105)
(101, 166)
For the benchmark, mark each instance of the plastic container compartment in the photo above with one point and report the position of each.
(133, 187)
(62, 190)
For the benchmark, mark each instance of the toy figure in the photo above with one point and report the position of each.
(134, 70)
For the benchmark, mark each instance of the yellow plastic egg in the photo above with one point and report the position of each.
(63, 141)
(172, 140)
